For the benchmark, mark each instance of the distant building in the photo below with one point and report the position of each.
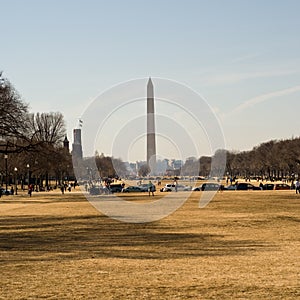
(77, 146)
(173, 167)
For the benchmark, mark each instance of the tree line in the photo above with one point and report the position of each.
(100, 166)
(31, 144)
(275, 159)
(31, 147)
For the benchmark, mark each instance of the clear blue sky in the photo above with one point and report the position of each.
(242, 56)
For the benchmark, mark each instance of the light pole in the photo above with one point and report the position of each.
(36, 166)
(6, 157)
(28, 166)
(16, 180)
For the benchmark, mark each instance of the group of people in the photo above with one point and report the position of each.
(66, 187)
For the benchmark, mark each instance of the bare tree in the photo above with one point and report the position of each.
(47, 128)
(20, 130)
(13, 119)
(109, 166)
(48, 131)
(191, 167)
(144, 170)
(205, 165)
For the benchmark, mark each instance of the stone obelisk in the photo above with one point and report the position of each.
(151, 144)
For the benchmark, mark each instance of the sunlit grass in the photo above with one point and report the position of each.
(243, 245)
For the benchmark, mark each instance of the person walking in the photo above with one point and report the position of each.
(151, 188)
(30, 189)
(297, 186)
(176, 185)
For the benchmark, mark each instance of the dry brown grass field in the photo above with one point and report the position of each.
(243, 245)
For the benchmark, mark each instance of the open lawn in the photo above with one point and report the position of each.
(243, 245)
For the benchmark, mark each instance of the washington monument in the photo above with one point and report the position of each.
(151, 144)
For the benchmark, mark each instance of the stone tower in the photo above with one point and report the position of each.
(77, 147)
(151, 143)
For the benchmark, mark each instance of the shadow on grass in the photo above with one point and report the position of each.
(44, 198)
(54, 238)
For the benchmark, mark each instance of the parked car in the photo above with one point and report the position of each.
(210, 186)
(268, 186)
(197, 188)
(99, 190)
(145, 187)
(247, 186)
(116, 188)
(95, 190)
(5, 192)
(243, 186)
(132, 189)
(171, 187)
(281, 186)
(231, 187)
